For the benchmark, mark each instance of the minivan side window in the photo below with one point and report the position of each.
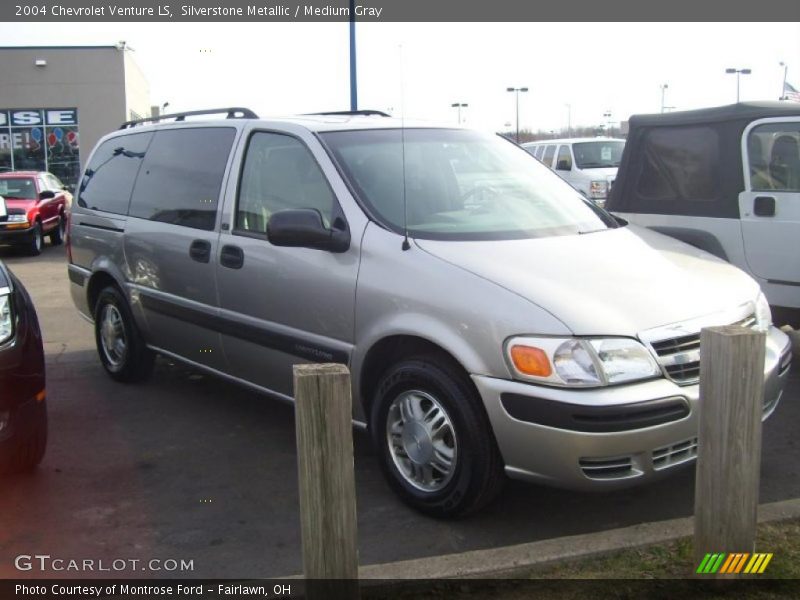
(280, 173)
(539, 150)
(773, 152)
(109, 176)
(181, 176)
(548, 155)
(564, 162)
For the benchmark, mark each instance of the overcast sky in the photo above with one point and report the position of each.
(422, 68)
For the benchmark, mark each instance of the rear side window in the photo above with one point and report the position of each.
(181, 176)
(109, 176)
(548, 155)
(539, 150)
(680, 164)
(564, 161)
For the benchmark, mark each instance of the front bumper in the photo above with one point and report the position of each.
(606, 447)
(15, 236)
(20, 422)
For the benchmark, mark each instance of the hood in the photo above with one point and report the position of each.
(25, 205)
(613, 282)
(602, 172)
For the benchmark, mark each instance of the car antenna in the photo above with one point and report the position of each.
(406, 245)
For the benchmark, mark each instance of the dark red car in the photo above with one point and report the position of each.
(23, 410)
(37, 204)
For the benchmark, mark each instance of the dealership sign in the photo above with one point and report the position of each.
(40, 139)
(28, 117)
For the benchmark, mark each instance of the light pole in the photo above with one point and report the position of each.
(569, 119)
(516, 91)
(783, 87)
(353, 70)
(663, 87)
(738, 72)
(459, 106)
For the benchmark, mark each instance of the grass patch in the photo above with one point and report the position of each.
(658, 571)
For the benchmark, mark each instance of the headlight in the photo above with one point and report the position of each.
(598, 189)
(17, 218)
(763, 313)
(6, 322)
(580, 362)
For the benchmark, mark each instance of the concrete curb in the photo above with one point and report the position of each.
(513, 560)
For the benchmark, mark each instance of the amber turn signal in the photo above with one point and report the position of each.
(531, 361)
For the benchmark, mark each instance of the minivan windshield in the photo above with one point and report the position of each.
(459, 185)
(598, 155)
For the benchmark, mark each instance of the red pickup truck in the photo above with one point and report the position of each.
(37, 204)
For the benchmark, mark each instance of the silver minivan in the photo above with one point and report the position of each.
(494, 320)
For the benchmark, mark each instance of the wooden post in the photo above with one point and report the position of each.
(729, 453)
(323, 419)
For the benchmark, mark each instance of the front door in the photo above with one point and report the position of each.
(770, 206)
(282, 305)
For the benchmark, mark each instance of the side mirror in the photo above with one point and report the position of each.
(303, 228)
(47, 195)
(563, 165)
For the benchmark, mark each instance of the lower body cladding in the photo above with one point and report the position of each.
(606, 438)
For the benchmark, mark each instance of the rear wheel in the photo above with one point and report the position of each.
(28, 447)
(121, 347)
(36, 242)
(436, 447)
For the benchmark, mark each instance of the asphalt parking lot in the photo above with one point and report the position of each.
(189, 467)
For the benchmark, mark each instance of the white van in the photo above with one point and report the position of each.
(587, 164)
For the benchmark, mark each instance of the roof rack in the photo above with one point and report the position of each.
(234, 112)
(362, 113)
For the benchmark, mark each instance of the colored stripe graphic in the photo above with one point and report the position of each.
(741, 562)
(703, 563)
(765, 563)
(727, 564)
(734, 563)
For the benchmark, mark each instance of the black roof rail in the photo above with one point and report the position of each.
(234, 112)
(344, 113)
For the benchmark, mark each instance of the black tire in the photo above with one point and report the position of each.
(37, 240)
(57, 235)
(477, 473)
(132, 361)
(27, 449)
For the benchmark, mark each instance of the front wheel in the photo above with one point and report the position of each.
(37, 240)
(121, 347)
(57, 236)
(436, 447)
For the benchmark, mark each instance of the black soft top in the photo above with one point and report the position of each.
(732, 112)
(728, 124)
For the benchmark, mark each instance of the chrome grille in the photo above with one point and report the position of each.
(680, 356)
